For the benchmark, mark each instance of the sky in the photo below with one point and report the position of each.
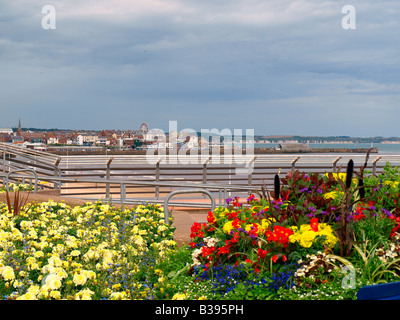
(278, 67)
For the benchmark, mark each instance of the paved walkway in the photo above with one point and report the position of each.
(183, 221)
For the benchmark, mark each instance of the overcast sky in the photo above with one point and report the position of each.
(275, 66)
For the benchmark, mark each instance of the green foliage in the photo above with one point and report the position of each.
(266, 248)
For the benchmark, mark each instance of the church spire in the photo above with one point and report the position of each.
(19, 130)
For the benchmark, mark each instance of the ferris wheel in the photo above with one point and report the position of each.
(144, 127)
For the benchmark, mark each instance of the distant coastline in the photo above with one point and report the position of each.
(315, 150)
(256, 151)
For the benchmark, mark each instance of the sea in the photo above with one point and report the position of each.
(383, 148)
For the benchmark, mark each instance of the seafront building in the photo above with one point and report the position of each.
(144, 139)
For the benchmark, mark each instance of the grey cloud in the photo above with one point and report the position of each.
(207, 64)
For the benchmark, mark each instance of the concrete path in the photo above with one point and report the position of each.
(183, 221)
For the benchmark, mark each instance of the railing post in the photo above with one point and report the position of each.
(123, 194)
(57, 185)
(158, 177)
(334, 163)
(225, 204)
(108, 177)
(205, 170)
(250, 171)
(293, 163)
(374, 165)
(4, 161)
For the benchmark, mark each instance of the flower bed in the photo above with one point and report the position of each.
(12, 187)
(317, 237)
(53, 251)
(312, 237)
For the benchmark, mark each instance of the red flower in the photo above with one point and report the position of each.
(224, 250)
(236, 223)
(358, 216)
(396, 228)
(196, 230)
(262, 253)
(210, 218)
(192, 244)
(251, 198)
(253, 230)
(314, 224)
(236, 203)
(274, 258)
(279, 234)
(235, 238)
(232, 215)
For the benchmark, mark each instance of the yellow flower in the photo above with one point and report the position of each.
(27, 296)
(89, 274)
(34, 289)
(158, 272)
(265, 223)
(55, 261)
(79, 279)
(38, 254)
(85, 294)
(33, 266)
(306, 236)
(7, 273)
(75, 253)
(228, 227)
(53, 281)
(179, 296)
(393, 184)
(118, 296)
(116, 286)
(55, 294)
(331, 195)
(17, 284)
(307, 239)
(341, 176)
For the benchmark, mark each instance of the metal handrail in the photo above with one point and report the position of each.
(123, 183)
(22, 170)
(211, 174)
(166, 212)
